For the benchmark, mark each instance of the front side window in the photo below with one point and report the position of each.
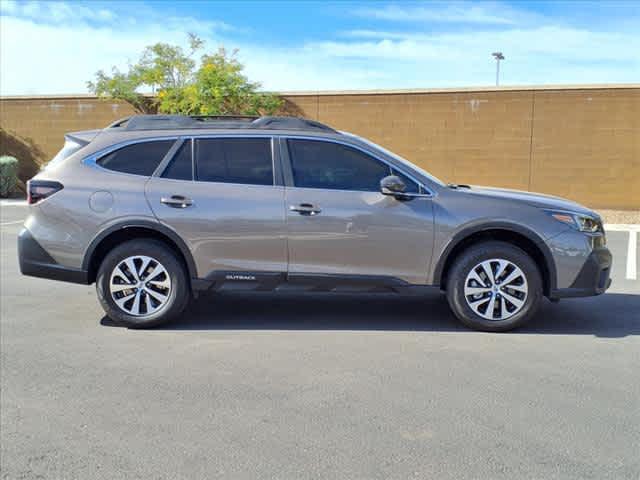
(327, 165)
(137, 159)
(234, 160)
(410, 166)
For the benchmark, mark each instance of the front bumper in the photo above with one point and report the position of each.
(36, 262)
(593, 278)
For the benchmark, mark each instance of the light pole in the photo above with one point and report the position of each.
(498, 56)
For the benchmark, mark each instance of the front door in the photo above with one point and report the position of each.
(219, 195)
(339, 223)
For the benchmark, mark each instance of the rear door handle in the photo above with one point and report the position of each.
(177, 201)
(305, 209)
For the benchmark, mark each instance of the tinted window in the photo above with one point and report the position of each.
(333, 166)
(137, 159)
(234, 160)
(180, 167)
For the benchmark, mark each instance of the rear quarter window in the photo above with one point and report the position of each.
(137, 159)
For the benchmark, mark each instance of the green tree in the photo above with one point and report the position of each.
(178, 85)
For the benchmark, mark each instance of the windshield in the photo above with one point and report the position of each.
(397, 157)
(70, 147)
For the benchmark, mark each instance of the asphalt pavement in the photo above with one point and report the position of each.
(275, 386)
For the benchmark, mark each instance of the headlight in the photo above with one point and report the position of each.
(583, 223)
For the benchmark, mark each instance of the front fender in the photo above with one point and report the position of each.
(478, 226)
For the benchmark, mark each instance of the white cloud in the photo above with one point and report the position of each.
(56, 47)
(76, 14)
(39, 57)
(542, 55)
(484, 13)
(560, 43)
(56, 12)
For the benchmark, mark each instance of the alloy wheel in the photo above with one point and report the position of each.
(140, 285)
(496, 289)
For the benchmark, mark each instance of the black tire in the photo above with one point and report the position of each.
(473, 256)
(178, 295)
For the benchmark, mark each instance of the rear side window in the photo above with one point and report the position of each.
(234, 160)
(181, 166)
(137, 159)
(333, 166)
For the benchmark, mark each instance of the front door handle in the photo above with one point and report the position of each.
(305, 209)
(177, 201)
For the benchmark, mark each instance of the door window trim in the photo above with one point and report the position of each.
(425, 192)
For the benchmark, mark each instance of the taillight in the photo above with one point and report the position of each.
(40, 189)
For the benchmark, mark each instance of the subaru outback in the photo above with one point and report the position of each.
(154, 209)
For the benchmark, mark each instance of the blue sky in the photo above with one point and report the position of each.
(55, 47)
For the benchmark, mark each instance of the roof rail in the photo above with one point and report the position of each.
(224, 117)
(290, 123)
(174, 122)
(119, 123)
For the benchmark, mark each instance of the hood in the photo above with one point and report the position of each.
(530, 198)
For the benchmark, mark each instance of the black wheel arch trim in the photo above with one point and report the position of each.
(497, 225)
(146, 224)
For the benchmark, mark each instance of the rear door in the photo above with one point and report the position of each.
(223, 197)
(340, 224)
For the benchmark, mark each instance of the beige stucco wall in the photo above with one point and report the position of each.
(45, 120)
(580, 143)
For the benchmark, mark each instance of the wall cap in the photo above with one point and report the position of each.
(515, 88)
(302, 93)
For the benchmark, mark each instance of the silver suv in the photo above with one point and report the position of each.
(155, 209)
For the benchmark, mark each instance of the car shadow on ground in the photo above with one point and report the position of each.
(611, 315)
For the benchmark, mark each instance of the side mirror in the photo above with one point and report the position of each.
(392, 185)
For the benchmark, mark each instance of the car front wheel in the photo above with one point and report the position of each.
(494, 286)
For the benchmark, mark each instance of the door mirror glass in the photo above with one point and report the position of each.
(392, 185)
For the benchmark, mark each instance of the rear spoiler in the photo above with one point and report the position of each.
(82, 138)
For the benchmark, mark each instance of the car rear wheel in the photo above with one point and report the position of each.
(494, 286)
(142, 283)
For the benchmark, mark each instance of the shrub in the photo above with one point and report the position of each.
(8, 175)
